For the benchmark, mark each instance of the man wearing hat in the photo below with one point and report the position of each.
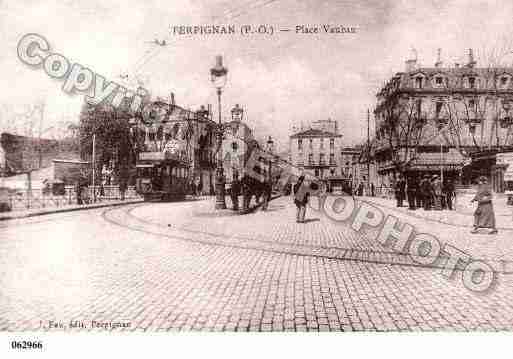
(411, 191)
(400, 191)
(425, 192)
(437, 192)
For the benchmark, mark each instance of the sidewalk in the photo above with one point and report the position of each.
(463, 216)
(67, 208)
(453, 228)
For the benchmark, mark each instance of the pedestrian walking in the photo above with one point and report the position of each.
(400, 191)
(484, 216)
(300, 199)
(373, 189)
(436, 185)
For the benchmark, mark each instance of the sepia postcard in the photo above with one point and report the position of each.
(255, 166)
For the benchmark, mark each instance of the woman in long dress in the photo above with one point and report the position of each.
(484, 217)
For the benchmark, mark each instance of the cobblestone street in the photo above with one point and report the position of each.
(183, 266)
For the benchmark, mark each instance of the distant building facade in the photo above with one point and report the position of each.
(319, 152)
(429, 120)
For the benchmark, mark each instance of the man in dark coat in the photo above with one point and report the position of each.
(425, 190)
(300, 199)
(400, 192)
(418, 193)
(411, 192)
(235, 191)
(78, 191)
(246, 192)
(436, 185)
(267, 194)
(448, 192)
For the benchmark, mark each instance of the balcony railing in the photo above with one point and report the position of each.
(473, 120)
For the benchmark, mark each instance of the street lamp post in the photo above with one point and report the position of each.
(270, 149)
(440, 128)
(506, 121)
(218, 76)
(237, 113)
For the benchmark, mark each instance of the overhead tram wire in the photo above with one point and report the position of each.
(231, 14)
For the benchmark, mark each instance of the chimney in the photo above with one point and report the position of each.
(411, 63)
(209, 111)
(439, 63)
(471, 62)
(172, 98)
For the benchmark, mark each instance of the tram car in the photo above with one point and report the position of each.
(160, 178)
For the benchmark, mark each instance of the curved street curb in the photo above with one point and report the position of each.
(64, 210)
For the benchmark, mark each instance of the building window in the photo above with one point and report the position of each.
(438, 109)
(300, 144)
(316, 172)
(418, 82)
(418, 104)
(504, 82)
(321, 158)
(332, 143)
(311, 143)
(322, 143)
(310, 159)
(332, 158)
(472, 82)
(332, 171)
(439, 81)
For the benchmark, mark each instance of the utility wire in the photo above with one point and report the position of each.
(234, 13)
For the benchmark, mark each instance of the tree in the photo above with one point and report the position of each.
(112, 136)
(402, 129)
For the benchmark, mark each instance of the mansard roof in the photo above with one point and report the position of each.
(314, 133)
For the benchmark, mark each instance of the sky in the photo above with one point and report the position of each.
(282, 80)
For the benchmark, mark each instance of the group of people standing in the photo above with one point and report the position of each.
(428, 193)
(432, 193)
(249, 187)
